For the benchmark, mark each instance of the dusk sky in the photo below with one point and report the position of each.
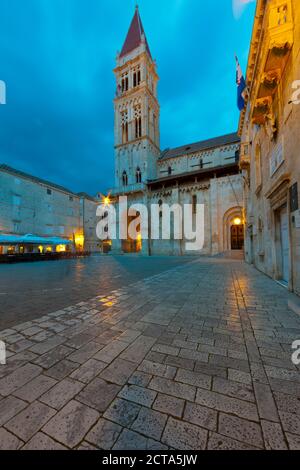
(57, 57)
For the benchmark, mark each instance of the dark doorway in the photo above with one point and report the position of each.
(130, 245)
(237, 237)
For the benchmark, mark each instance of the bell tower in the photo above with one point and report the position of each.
(136, 108)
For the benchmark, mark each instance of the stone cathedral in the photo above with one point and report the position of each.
(205, 172)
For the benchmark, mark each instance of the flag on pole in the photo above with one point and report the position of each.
(241, 86)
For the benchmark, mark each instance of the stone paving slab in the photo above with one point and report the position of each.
(29, 421)
(197, 357)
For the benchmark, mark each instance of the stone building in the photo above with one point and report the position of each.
(204, 172)
(32, 206)
(270, 133)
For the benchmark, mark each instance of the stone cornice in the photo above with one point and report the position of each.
(131, 62)
(282, 182)
(137, 141)
(256, 41)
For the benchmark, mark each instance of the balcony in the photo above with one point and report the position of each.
(278, 42)
(262, 109)
(269, 83)
(129, 189)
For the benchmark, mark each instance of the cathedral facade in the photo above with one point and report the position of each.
(205, 172)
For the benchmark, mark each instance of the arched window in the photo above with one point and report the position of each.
(124, 125)
(136, 76)
(125, 179)
(169, 170)
(124, 82)
(201, 164)
(160, 203)
(138, 175)
(194, 204)
(138, 121)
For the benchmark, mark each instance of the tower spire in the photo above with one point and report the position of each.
(136, 35)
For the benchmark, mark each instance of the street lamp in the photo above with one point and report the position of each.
(237, 221)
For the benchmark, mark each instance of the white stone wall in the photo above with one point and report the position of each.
(142, 155)
(264, 200)
(26, 207)
(89, 218)
(222, 199)
(191, 162)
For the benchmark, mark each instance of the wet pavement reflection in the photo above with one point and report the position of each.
(30, 290)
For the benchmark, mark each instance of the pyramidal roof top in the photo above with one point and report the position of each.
(135, 35)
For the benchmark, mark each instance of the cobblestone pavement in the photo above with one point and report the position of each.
(28, 290)
(198, 357)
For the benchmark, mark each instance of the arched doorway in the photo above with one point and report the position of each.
(237, 236)
(233, 230)
(132, 245)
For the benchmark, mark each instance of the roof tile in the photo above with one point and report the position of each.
(135, 36)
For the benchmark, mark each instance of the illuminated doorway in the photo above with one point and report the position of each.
(237, 236)
(132, 245)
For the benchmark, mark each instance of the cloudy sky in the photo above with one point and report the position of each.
(57, 56)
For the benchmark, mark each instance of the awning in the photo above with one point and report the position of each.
(30, 239)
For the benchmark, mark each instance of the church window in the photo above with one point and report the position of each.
(194, 203)
(124, 122)
(201, 163)
(138, 175)
(125, 83)
(125, 179)
(136, 76)
(138, 121)
(169, 171)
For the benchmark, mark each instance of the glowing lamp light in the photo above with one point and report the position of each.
(79, 240)
(237, 221)
(61, 248)
(106, 201)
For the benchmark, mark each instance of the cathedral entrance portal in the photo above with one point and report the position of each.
(132, 245)
(233, 231)
(237, 237)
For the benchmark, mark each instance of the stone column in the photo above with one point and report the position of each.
(146, 244)
(214, 217)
